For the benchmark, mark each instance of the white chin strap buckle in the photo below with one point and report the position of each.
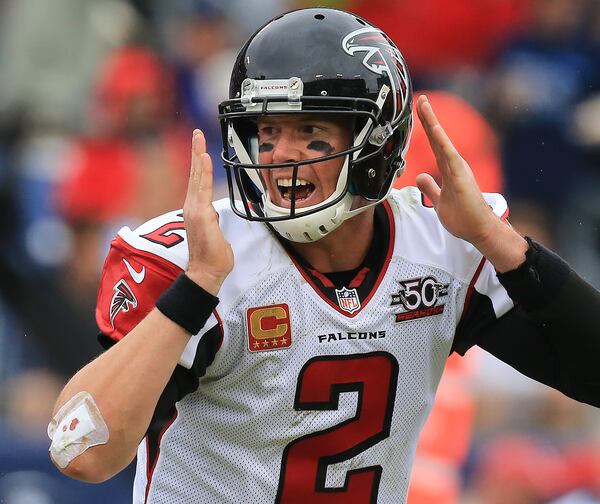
(77, 426)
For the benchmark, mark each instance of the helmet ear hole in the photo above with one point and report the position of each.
(367, 178)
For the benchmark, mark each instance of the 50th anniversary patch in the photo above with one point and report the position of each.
(419, 297)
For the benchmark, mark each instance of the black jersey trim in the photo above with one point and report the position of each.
(182, 382)
(471, 287)
(153, 451)
(426, 203)
(461, 340)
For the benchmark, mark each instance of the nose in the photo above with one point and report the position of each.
(286, 148)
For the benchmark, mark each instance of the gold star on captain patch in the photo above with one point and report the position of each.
(265, 344)
(284, 341)
(274, 342)
(256, 344)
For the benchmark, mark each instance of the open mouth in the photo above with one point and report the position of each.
(304, 189)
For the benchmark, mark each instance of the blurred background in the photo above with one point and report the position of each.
(97, 102)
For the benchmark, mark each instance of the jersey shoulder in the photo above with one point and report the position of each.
(141, 263)
(421, 237)
(163, 237)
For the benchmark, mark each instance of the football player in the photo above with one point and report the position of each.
(310, 375)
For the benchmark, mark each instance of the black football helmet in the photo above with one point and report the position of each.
(331, 63)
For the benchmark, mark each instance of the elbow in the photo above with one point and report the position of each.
(88, 469)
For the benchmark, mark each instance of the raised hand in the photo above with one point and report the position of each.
(210, 255)
(459, 203)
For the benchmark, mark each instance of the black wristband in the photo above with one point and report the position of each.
(538, 279)
(187, 304)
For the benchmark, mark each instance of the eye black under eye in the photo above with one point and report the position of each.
(265, 147)
(321, 146)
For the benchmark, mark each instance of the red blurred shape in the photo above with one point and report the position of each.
(470, 133)
(438, 35)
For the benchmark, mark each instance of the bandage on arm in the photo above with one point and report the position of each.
(77, 426)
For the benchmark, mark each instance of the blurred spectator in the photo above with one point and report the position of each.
(130, 167)
(48, 54)
(540, 77)
(579, 225)
(446, 436)
(471, 134)
(428, 31)
(37, 322)
(200, 42)
(583, 461)
(518, 470)
(542, 96)
(135, 144)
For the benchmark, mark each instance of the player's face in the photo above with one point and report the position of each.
(297, 138)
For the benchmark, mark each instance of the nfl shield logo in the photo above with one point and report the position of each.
(348, 299)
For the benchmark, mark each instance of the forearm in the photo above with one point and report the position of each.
(552, 334)
(570, 324)
(126, 382)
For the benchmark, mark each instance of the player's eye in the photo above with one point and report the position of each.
(266, 131)
(311, 129)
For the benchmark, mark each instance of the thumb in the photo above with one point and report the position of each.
(429, 187)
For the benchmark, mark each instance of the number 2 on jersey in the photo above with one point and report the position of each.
(305, 460)
(165, 235)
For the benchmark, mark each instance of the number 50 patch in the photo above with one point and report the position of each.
(269, 328)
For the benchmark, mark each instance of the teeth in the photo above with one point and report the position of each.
(287, 182)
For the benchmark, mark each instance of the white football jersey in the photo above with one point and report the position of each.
(298, 390)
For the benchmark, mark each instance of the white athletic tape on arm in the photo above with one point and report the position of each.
(77, 426)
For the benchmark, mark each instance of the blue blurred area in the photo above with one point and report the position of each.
(26, 476)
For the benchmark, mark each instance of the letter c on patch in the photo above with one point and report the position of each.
(269, 322)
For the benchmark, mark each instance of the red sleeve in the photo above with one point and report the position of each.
(132, 280)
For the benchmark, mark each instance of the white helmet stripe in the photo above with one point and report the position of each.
(244, 157)
(363, 133)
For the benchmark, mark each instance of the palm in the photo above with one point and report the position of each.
(210, 255)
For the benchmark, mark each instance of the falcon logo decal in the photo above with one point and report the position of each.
(123, 299)
(371, 42)
(380, 55)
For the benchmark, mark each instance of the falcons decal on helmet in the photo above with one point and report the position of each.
(380, 54)
(122, 300)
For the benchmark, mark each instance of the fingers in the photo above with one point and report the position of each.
(195, 167)
(200, 185)
(429, 187)
(445, 153)
(206, 182)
